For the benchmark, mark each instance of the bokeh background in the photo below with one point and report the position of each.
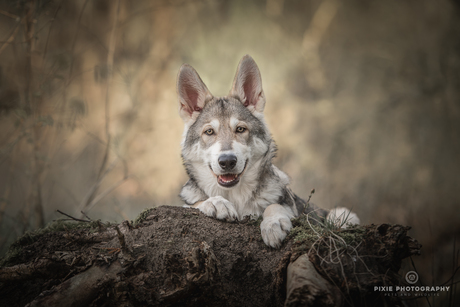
(363, 100)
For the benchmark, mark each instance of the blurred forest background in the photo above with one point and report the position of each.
(363, 100)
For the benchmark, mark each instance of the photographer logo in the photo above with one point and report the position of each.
(411, 289)
(411, 277)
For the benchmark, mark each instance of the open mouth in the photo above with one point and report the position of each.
(230, 180)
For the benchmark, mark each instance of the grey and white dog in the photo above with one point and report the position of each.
(227, 152)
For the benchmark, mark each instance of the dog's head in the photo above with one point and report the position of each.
(225, 135)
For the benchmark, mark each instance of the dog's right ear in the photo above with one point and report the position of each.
(193, 93)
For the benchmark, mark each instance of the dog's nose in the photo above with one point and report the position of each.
(227, 161)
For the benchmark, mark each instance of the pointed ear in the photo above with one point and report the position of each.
(247, 85)
(193, 93)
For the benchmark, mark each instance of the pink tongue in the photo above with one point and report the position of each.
(228, 177)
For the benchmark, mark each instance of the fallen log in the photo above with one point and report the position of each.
(172, 256)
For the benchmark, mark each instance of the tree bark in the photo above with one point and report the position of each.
(178, 257)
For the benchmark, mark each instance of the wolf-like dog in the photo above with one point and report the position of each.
(227, 151)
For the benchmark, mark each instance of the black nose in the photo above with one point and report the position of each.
(227, 161)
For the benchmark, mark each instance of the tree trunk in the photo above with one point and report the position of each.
(175, 256)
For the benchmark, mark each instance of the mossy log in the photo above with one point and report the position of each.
(174, 256)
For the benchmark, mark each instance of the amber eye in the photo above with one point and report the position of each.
(209, 132)
(240, 129)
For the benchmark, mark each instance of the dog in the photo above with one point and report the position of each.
(227, 151)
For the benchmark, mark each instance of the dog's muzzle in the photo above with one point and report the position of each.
(227, 163)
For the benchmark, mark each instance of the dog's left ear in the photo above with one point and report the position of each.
(247, 85)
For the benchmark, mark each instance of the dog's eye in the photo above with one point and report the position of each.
(209, 132)
(240, 129)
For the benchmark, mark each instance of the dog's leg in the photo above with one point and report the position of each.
(340, 217)
(217, 207)
(276, 224)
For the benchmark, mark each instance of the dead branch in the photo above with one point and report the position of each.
(10, 37)
(92, 199)
(73, 218)
(106, 192)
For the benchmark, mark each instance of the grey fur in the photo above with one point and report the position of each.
(213, 127)
(221, 109)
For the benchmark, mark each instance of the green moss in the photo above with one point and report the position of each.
(353, 234)
(30, 237)
(56, 226)
(142, 216)
(309, 235)
(255, 220)
(13, 253)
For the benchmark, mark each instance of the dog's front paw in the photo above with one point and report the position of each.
(275, 229)
(219, 208)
